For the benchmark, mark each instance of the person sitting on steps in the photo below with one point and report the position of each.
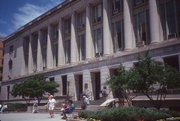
(68, 109)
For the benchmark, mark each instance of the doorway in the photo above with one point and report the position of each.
(96, 78)
(79, 86)
(64, 85)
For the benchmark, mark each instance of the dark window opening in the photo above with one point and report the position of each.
(142, 29)
(118, 36)
(51, 79)
(97, 13)
(8, 92)
(67, 26)
(172, 61)
(117, 6)
(82, 47)
(10, 64)
(98, 42)
(81, 20)
(11, 48)
(169, 16)
(139, 2)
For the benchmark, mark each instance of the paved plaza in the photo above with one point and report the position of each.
(29, 117)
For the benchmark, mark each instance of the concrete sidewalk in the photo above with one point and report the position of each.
(29, 117)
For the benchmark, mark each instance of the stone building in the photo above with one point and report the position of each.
(80, 43)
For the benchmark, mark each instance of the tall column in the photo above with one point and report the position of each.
(73, 40)
(39, 52)
(89, 39)
(108, 48)
(30, 59)
(128, 28)
(22, 53)
(49, 49)
(154, 21)
(61, 54)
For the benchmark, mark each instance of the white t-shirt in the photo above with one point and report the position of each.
(51, 104)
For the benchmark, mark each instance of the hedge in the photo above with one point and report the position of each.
(127, 114)
(18, 107)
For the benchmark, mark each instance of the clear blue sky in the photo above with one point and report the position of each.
(16, 13)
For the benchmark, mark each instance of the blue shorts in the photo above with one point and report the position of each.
(68, 111)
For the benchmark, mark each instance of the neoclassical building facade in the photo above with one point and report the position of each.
(80, 43)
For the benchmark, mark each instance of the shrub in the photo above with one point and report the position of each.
(124, 114)
(172, 113)
(16, 107)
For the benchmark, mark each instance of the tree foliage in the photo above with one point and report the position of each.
(34, 88)
(149, 77)
(120, 84)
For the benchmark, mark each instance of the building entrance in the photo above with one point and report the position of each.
(96, 84)
(79, 86)
(64, 85)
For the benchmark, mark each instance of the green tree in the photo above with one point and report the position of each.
(149, 77)
(34, 88)
(153, 79)
(120, 84)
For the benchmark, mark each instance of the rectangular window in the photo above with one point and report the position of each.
(118, 36)
(98, 13)
(81, 47)
(11, 48)
(172, 61)
(67, 26)
(141, 27)
(117, 6)
(54, 32)
(51, 79)
(178, 16)
(67, 47)
(8, 92)
(98, 42)
(139, 2)
(169, 18)
(81, 20)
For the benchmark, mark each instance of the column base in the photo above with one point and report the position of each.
(154, 42)
(127, 49)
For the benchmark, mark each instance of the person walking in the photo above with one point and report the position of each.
(35, 107)
(51, 105)
(85, 102)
